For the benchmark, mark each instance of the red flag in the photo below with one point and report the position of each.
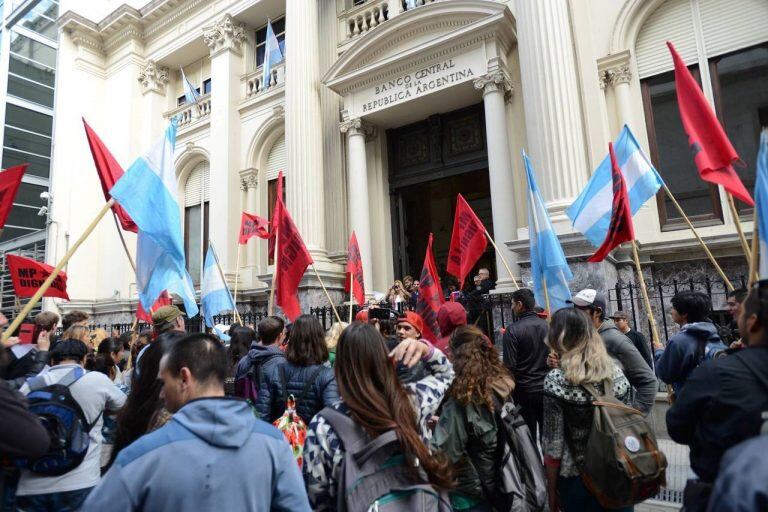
(712, 151)
(292, 260)
(28, 275)
(621, 228)
(253, 225)
(430, 296)
(468, 242)
(355, 269)
(10, 180)
(163, 300)
(276, 214)
(109, 172)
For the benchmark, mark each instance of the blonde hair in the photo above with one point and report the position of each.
(334, 333)
(78, 332)
(97, 336)
(583, 358)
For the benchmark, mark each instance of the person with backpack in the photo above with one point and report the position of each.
(374, 440)
(697, 341)
(214, 454)
(467, 431)
(262, 357)
(73, 403)
(722, 401)
(568, 409)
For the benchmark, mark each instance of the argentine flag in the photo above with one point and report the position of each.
(147, 191)
(548, 265)
(591, 212)
(272, 55)
(214, 293)
(190, 93)
(761, 203)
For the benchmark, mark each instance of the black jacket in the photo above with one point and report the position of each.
(720, 406)
(323, 392)
(525, 352)
(19, 369)
(641, 344)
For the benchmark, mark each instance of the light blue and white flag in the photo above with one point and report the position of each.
(190, 93)
(272, 55)
(147, 191)
(548, 265)
(214, 292)
(591, 212)
(761, 203)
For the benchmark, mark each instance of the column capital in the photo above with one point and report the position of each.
(225, 34)
(619, 75)
(153, 78)
(615, 69)
(249, 178)
(602, 79)
(357, 126)
(496, 80)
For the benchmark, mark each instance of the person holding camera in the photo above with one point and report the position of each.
(398, 296)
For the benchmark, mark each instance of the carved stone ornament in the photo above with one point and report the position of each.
(602, 79)
(278, 111)
(357, 126)
(249, 178)
(619, 75)
(153, 77)
(496, 80)
(225, 34)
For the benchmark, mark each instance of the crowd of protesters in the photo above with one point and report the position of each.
(290, 417)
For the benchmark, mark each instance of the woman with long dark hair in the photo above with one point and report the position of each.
(373, 396)
(240, 339)
(305, 375)
(467, 429)
(568, 409)
(113, 348)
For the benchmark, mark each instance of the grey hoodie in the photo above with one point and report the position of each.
(634, 366)
(213, 455)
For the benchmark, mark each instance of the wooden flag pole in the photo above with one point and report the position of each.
(223, 277)
(47, 283)
(753, 260)
(237, 275)
(328, 295)
(130, 260)
(274, 275)
(739, 229)
(654, 331)
(546, 296)
(503, 260)
(351, 277)
(698, 237)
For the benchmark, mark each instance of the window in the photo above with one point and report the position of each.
(27, 140)
(23, 218)
(207, 86)
(31, 70)
(182, 100)
(42, 19)
(261, 38)
(196, 218)
(741, 99)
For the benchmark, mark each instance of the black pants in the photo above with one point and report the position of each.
(532, 408)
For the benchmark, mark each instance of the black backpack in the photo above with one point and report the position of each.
(65, 422)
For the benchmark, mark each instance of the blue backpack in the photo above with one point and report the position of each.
(65, 422)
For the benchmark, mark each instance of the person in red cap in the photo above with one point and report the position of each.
(450, 316)
(410, 326)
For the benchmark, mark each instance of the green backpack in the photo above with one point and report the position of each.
(623, 464)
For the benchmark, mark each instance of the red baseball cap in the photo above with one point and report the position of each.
(414, 319)
(362, 316)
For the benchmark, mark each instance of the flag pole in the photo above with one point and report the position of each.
(739, 229)
(654, 331)
(237, 275)
(223, 278)
(328, 295)
(130, 260)
(698, 237)
(503, 260)
(351, 276)
(753, 260)
(47, 283)
(546, 295)
(274, 274)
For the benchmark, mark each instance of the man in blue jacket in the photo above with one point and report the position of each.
(696, 342)
(212, 455)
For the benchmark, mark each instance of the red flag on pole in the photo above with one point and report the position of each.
(355, 269)
(10, 180)
(253, 225)
(275, 215)
(468, 242)
(621, 228)
(163, 300)
(430, 295)
(712, 151)
(292, 260)
(27, 275)
(109, 172)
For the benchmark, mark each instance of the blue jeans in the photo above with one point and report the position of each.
(574, 497)
(68, 501)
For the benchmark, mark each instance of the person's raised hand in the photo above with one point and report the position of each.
(409, 352)
(13, 340)
(44, 341)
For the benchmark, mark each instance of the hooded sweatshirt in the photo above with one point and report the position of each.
(260, 356)
(684, 352)
(203, 459)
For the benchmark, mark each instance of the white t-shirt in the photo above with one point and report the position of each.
(94, 392)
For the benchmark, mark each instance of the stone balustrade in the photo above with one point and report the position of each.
(368, 15)
(189, 113)
(254, 81)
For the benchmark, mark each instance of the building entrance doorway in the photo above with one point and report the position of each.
(431, 162)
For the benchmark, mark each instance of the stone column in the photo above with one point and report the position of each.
(495, 86)
(357, 176)
(303, 125)
(619, 78)
(553, 115)
(248, 182)
(154, 81)
(225, 39)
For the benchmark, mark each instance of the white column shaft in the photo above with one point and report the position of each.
(359, 217)
(623, 103)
